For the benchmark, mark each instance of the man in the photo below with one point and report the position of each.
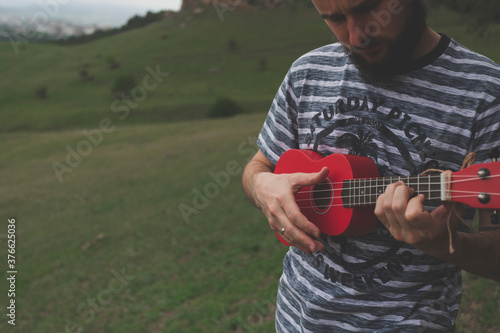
(411, 99)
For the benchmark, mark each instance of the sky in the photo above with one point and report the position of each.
(150, 4)
(102, 12)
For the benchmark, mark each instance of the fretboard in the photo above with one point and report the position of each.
(365, 191)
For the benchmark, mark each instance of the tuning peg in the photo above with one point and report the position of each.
(495, 220)
(495, 154)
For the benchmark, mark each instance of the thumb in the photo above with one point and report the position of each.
(320, 176)
(450, 210)
(307, 179)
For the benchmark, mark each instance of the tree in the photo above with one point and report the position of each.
(123, 85)
(224, 107)
(41, 92)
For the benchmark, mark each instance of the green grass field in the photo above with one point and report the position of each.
(119, 211)
(187, 47)
(144, 227)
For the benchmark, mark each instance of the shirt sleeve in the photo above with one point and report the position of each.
(279, 132)
(487, 132)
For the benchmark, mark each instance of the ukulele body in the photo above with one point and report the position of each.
(322, 204)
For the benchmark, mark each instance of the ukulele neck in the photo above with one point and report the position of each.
(365, 191)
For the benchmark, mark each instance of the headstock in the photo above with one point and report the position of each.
(477, 186)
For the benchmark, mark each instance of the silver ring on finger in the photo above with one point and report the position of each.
(282, 231)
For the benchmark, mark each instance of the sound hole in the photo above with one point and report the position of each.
(322, 196)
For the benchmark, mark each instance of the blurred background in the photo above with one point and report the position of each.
(124, 129)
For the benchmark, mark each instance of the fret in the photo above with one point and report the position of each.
(388, 181)
(370, 191)
(345, 194)
(418, 184)
(367, 191)
(351, 193)
(378, 190)
(407, 181)
(424, 188)
(429, 187)
(412, 182)
(380, 187)
(435, 185)
(362, 192)
(361, 202)
(356, 192)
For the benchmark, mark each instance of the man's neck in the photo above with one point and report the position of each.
(430, 39)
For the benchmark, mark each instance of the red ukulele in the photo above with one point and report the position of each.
(343, 203)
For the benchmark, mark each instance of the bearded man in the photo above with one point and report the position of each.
(411, 99)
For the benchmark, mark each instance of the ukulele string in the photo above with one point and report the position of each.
(464, 194)
(359, 204)
(364, 203)
(410, 184)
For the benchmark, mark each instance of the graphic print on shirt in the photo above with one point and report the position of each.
(360, 144)
(355, 125)
(370, 123)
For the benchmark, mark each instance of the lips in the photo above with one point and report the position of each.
(372, 47)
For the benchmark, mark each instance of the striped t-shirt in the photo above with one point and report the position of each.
(432, 116)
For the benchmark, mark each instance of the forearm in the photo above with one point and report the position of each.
(252, 170)
(477, 253)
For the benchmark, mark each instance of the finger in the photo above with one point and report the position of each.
(286, 211)
(420, 226)
(449, 211)
(307, 179)
(298, 230)
(379, 211)
(414, 210)
(386, 208)
(295, 216)
(399, 205)
(297, 237)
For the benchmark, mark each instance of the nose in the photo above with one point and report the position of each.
(357, 37)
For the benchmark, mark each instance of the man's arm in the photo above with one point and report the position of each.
(405, 218)
(479, 253)
(274, 195)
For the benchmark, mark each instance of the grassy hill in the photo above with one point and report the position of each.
(148, 230)
(187, 47)
(206, 58)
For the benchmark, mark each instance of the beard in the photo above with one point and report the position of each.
(399, 53)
